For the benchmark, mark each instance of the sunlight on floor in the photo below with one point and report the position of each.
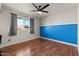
(23, 52)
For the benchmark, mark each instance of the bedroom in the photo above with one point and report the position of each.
(52, 33)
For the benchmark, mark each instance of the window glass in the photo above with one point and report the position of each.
(23, 23)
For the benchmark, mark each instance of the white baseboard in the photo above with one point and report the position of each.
(1, 46)
(60, 41)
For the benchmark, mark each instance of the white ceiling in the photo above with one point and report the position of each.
(27, 7)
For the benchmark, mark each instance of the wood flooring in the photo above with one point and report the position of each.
(40, 47)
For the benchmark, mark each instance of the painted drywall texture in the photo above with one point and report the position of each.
(61, 26)
(65, 33)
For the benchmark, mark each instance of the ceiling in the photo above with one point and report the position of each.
(27, 7)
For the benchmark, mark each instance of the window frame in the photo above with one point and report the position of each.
(24, 29)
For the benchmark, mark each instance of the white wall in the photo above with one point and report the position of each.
(68, 16)
(5, 26)
(0, 6)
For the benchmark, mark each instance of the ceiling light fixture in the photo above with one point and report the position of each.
(39, 12)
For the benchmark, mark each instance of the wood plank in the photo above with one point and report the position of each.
(40, 47)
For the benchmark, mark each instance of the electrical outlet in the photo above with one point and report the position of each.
(9, 40)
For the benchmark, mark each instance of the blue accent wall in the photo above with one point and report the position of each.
(66, 33)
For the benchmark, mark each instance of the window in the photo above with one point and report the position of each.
(23, 24)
